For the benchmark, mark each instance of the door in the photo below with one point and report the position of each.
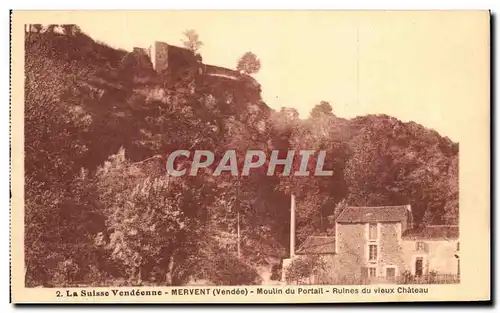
(390, 273)
(419, 266)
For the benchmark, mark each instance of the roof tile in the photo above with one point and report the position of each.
(352, 214)
(444, 232)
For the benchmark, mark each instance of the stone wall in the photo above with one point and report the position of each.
(182, 61)
(352, 249)
(221, 71)
(212, 70)
(158, 53)
(391, 249)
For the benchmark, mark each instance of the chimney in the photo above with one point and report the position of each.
(410, 216)
(292, 227)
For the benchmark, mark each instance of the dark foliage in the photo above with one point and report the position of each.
(99, 124)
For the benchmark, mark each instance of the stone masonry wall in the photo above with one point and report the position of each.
(352, 251)
(159, 56)
(350, 257)
(391, 248)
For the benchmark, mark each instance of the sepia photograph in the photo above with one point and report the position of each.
(199, 149)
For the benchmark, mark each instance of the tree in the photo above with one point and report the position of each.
(248, 63)
(396, 163)
(51, 28)
(71, 29)
(128, 220)
(316, 196)
(302, 268)
(36, 27)
(322, 109)
(153, 220)
(192, 41)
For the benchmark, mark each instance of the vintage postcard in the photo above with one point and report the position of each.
(250, 156)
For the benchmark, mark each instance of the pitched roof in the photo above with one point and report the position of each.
(433, 232)
(317, 245)
(356, 214)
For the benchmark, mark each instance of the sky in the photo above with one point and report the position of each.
(429, 67)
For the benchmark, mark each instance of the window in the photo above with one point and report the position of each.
(364, 272)
(368, 272)
(420, 246)
(390, 272)
(373, 231)
(372, 252)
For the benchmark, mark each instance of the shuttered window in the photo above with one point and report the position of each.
(364, 272)
(421, 246)
(372, 252)
(373, 232)
(372, 271)
(367, 272)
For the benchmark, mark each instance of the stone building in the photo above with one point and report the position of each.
(170, 60)
(380, 244)
(173, 60)
(373, 236)
(434, 248)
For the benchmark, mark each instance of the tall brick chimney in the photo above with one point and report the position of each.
(292, 227)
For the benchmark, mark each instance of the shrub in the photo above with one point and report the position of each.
(229, 270)
(303, 268)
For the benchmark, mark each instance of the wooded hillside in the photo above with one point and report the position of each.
(100, 209)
